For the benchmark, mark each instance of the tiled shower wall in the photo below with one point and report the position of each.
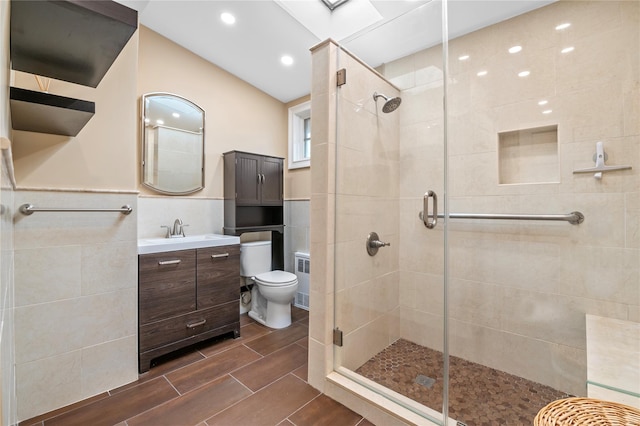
(519, 292)
(75, 298)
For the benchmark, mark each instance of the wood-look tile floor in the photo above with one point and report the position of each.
(257, 379)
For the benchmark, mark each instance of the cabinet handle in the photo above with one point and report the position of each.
(196, 324)
(169, 262)
(216, 256)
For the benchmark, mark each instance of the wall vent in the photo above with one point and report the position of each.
(302, 265)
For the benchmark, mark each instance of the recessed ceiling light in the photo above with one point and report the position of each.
(547, 111)
(515, 49)
(523, 73)
(543, 102)
(160, 122)
(567, 49)
(176, 115)
(463, 57)
(286, 60)
(563, 26)
(481, 73)
(228, 18)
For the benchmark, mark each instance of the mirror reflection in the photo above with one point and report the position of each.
(173, 144)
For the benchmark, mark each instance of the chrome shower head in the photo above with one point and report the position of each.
(390, 104)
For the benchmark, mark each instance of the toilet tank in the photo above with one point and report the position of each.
(255, 258)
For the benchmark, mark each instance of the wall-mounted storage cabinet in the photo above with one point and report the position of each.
(253, 198)
(75, 41)
(253, 192)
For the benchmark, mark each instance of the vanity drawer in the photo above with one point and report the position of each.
(218, 275)
(186, 326)
(166, 284)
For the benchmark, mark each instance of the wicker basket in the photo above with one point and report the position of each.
(588, 412)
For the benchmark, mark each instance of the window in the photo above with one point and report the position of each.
(300, 135)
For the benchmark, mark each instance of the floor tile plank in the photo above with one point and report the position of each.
(202, 372)
(270, 368)
(119, 407)
(302, 372)
(269, 406)
(247, 333)
(196, 406)
(324, 411)
(277, 339)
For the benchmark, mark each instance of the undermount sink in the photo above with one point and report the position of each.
(159, 245)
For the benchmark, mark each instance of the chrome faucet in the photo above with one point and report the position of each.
(177, 231)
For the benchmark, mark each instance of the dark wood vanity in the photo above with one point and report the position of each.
(185, 297)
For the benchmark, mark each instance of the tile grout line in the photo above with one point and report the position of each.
(278, 378)
(303, 405)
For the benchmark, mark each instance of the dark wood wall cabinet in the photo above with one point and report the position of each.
(185, 297)
(72, 40)
(253, 198)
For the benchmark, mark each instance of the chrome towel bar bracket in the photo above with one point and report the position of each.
(28, 209)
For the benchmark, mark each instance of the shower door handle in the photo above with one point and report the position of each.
(430, 224)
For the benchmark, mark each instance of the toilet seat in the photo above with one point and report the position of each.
(276, 279)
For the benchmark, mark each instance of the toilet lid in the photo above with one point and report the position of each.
(276, 278)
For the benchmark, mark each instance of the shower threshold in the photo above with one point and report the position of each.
(477, 394)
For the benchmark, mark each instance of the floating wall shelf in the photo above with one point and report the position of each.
(45, 113)
(75, 41)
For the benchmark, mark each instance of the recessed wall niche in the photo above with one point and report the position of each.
(529, 156)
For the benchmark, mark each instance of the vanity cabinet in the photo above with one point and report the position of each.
(185, 297)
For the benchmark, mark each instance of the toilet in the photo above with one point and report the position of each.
(273, 291)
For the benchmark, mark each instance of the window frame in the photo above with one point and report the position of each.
(297, 115)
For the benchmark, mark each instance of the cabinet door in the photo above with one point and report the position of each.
(166, 285)
(218, 276)
(271, 181)
(248, 179)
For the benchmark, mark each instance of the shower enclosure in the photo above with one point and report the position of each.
(475, 313)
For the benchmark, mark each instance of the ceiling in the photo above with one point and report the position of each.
(377, 31)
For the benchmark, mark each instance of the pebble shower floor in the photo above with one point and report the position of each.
(478, 395)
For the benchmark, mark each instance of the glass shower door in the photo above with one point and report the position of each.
(389, 271)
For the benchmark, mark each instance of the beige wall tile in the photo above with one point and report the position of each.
(37, 379)
(632, 219)
(109, 267)
(85, 298)
(102, 365)
(47, 274)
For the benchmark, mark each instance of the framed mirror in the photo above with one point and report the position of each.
(172, 144)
